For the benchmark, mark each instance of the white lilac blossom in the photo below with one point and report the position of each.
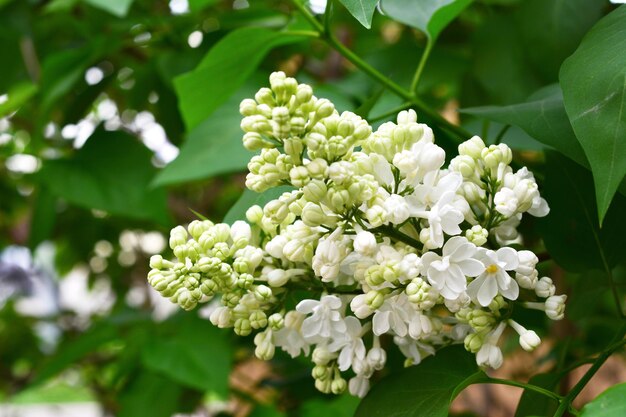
(378, 239)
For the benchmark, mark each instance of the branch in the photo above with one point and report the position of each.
(459, 133)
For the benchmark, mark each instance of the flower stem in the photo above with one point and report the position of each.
(421, 65)
(617, 343)
(457, 132)
(529, 387)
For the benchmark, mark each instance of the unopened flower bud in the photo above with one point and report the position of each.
(555, 307)
(545, 288)
(263, 292)
(472, 147)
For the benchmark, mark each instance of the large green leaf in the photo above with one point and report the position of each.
(198, 5)
(362, 10)
(571, 231)
(150, 395)
(17, 96)
(543, 117)
(112, 172)
(250, 198)
(500, 63)
(429, 16)
(594, 90)
(343, 406)
(117, 8)
(193, 352)
(213, 147)
(62, 70)
(611, 403)
(534, 404)
(552, 29)
(223, 70)
(425, 390)
(72, 350)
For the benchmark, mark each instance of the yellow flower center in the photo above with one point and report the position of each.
(492, 269)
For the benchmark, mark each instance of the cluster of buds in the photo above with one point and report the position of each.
(376, 239)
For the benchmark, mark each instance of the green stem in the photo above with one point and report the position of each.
(307, 33)
(421, 65)
(396, 234)
(501, 134)
(390, 113)
(529, 387)
(616, 344)
(459, 133)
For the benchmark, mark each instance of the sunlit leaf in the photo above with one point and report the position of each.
(362, 10)
(594, 91)
(117, 8)
(429, 16)
(223, 70)
(608, 404)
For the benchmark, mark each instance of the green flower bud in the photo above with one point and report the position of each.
(230, 299)
(157, 262)
(253, 141)
(374, 299)
(473, 342)
(258, 319)
(338, 385)
(242, 327)
(254, 214)
(276, 321)
(321, 372)
(318, 168)
(313, 215)
(245, 281)
(178, 236)
(263, 292)
(481, 320)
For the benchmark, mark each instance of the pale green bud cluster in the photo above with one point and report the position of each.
(391, 138)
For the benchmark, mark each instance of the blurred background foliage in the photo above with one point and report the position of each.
(119, 119)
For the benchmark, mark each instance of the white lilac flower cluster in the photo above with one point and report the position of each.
(376, 240)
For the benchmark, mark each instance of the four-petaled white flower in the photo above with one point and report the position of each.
(447, 273)
(325, 321)
(495, 279)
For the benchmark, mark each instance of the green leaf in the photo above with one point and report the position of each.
(534, 404)
(543, 117)
(17, 96)
(594, 91)
(425, 390)
(198, 5)
(193, 352)
(500, 64)
(611, 403)
(223, 70)
(61, 71)
(212, 148)
(73, 350)
(59, 6)
(552, 29)
(117, 8)
(250, 198)
(362, 10)
(150, 395)
(43, 217)
(571, 231)
(112, 172)
(343, 406)
(429, 16)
